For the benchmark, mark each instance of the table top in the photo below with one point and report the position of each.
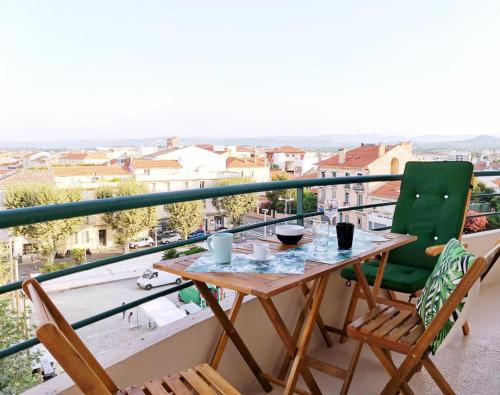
(268, 285)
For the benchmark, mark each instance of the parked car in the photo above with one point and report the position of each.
(145, 241)
(155, 278)
(171, 238)
(196, 233)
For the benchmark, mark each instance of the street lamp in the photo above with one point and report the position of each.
(265, 211)
(286, 200)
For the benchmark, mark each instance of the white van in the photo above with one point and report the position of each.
(154, 278)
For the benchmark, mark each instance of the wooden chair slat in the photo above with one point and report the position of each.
(216, 379)
(378, 320)
(175, 385)
(367, 317)
(413, 336)
(198, 384)
(155, 387)
(392, 323)
(134, 390)
(404, 328)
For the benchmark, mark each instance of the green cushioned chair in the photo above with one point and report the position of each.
(433, 200)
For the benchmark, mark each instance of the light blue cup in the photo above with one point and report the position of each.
(221, 245)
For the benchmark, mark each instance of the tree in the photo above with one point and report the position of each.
(185, 217)
(127, 223)
(481, 187)
(16, 370)
(275, 196)
(237, 206)
(45, 237)
(310, 202)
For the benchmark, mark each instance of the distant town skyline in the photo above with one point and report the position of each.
(129, 69)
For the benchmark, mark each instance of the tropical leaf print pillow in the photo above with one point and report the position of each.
(451, 266)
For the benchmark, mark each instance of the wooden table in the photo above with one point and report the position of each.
(264, 286)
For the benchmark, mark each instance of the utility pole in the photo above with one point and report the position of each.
(265, 211)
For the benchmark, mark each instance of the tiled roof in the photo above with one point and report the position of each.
(28, 176)
(390, 189)
(356, 157)
(233, 162)
(497, 182)
(84, 156)
(208, 147)
(287, 149)
(242, 148)
(311, 174)
(159, 153)
(89, 171)
(154, 164)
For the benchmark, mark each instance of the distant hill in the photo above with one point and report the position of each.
(482, 142)
(327, 142)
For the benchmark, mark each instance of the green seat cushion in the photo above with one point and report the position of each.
(398, 278)
(451, 267)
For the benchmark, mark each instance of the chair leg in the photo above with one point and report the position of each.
(386, 360)
(351, 369)
(351, 310)
(437, 376)
(465, 328)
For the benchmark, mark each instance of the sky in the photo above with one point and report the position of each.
(145, 68)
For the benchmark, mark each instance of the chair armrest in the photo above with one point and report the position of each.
(434, 250)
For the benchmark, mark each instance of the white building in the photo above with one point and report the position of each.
(255, 168)
(287, 158)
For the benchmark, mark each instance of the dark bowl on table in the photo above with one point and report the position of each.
(289, 234)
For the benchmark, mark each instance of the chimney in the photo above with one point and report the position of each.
(341, 154)
(381, 149)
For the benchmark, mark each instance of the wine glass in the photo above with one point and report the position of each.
(331, 209)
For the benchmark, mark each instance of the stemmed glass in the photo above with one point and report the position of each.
(331, 209)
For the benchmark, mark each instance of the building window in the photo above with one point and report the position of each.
(323, 174)
(359, 222)
(334, 193)
(86, 236)
(346, 202)
(359, 199)
(147, 171)
(202, 184)
(334, 174)
(347, 174)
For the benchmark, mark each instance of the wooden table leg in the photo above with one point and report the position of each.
(221, 345)
(308, 293)
(319, 321)
(305, 336)
(233, 335)
(380, 274)
(364, 285)
(290, 344)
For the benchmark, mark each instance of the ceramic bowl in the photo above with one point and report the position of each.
(289, 234)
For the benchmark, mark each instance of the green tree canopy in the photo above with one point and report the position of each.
(237, 206)
(185, 217)
(45, 237)
(275, 196)
(127, 223)
(16, 370)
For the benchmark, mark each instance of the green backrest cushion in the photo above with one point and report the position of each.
(431, 206)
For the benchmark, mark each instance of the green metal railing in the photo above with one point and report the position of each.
(31, 215)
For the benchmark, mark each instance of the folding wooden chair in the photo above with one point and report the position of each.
(63, 343)
(388, 328)
(432, 205)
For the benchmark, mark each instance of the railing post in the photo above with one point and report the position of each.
(300, 205)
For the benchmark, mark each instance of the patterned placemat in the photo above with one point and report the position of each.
(285, 262)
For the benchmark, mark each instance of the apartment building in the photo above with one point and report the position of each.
(367, 159)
